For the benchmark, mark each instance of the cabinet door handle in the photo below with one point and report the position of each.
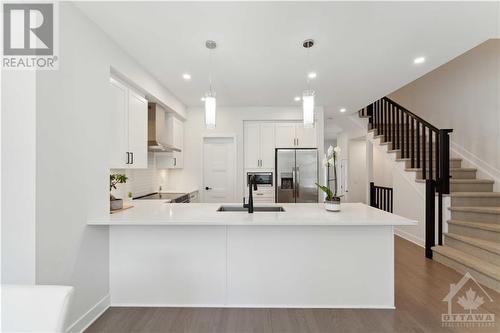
(132, 158)
(297, 141)
(128, 158)
(175, 161)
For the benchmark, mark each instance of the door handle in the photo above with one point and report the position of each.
(175, 161)
(128, 158)
(207, 188)
(132, 154)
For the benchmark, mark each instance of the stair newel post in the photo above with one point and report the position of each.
(372, 194)
(444, 161)
(430, 216)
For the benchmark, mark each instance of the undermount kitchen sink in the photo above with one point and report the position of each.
(255, 209)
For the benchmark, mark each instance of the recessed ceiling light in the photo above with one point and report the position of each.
(343, 110)
(203, 99)
(419, 60)
(186, 76)
(312, 75)
(296, 99)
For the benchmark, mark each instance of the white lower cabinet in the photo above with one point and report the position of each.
(263, 195)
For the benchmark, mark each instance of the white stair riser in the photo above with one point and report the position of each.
(456, 174)
(453, 164)
(475, 217)
(474, 232)
(485, 255)
(480, 277)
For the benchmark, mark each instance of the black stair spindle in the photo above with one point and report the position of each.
(412, 143)
(417, 136)
(431, 164)
(424, 158)
(407, 138)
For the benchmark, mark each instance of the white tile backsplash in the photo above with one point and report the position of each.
(141, 181)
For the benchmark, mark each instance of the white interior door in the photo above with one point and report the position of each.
(219, 170)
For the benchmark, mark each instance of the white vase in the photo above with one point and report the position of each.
(333, 205)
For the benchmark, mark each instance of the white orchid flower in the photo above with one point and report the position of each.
(337, 150)
(329, 151)
(331, 161)
(325, 162)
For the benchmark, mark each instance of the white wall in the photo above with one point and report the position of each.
(72, 147)
(464, 95)
(18, 176)
(229, 121)
(357, 179)
(382, 168)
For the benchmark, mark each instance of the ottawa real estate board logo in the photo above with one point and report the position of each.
(29, 36)
(465, 300)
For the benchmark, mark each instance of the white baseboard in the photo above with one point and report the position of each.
(82, 323)
(409, 237)
(485, 170)
(256, 306)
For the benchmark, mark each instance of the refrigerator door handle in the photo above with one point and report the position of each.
(297, 181)
(294, 187)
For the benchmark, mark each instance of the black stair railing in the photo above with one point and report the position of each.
(424, 147)
(381, 197)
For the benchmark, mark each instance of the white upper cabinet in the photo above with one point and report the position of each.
(129, 121)
(259, 138)
(306, 137)
(173, 135)
(267, 145)
(285, 135)
(294, 135)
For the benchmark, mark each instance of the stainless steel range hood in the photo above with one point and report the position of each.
(156, 130)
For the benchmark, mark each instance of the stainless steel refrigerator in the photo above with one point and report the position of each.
(296, 175)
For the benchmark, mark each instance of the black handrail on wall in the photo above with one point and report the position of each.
(410, 134)
(381, 197)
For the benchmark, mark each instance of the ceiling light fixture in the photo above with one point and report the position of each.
(186, 76)
(308, 95)
(297, 99)
(210, 101)
(419, 60)
(312, 75)
(202, 99)
(343, 110)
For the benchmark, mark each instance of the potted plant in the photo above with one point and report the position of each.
(332, 200)
(115, 179)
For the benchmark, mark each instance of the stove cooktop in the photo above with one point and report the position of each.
(174, 197)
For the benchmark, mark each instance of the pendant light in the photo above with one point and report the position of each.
(210, 101)
(308, 95)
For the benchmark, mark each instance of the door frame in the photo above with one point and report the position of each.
(235, 163)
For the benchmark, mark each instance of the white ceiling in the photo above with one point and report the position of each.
(363, 51)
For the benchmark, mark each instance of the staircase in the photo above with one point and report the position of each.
(472, 242)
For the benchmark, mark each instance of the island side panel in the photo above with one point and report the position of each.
(168, 265)
(311, 266)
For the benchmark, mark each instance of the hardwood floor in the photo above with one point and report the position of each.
(421, 285)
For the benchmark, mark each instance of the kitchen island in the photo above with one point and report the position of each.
(167, 254)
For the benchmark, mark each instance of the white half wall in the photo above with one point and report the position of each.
(229, 122)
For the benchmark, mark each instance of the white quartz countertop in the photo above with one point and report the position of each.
(158, 212)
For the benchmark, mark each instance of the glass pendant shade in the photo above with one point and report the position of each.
(308, 108)
(210, 107)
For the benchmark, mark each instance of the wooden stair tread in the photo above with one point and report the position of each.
(451, 169)
(479, 209)
(409, 159)
(463, 181)
(481, 243)
(468, 260)
(477, 225)
(475, 194)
